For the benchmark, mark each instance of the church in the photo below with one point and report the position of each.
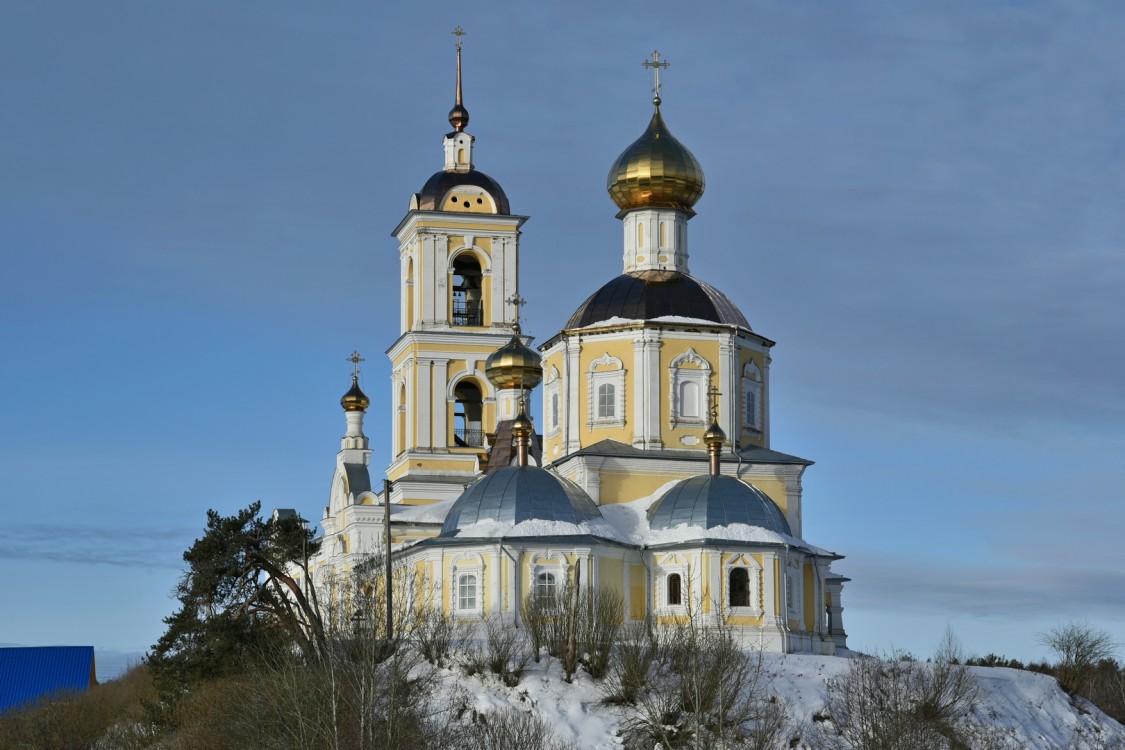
(650, 472)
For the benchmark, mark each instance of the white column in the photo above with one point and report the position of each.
(728, 386)
(423, 403)
(573, 395)
(440, 404)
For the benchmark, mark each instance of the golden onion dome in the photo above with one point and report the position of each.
(514, 365)
(714, 435)
(656, 171)
(355, 399)
(522, 426)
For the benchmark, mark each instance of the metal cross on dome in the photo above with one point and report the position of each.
(355, 359)
(713, 396)
(459, 32)
(517, 302)
(656, 64)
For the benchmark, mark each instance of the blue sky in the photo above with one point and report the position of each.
(920, 201)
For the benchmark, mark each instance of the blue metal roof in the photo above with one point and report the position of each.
(711, 501)
(27, 674)
(520, 493)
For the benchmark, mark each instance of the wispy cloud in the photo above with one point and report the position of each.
(97, 545)
(1025, 591)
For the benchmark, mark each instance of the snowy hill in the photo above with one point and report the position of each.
(1026, 710)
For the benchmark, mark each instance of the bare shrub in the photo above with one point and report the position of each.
(632, 662)
(693, 687)
(438, 635)
(575, 626)
(892, 704)
(507, 650)
(1079, 648)
(508, 729)
(114, 709)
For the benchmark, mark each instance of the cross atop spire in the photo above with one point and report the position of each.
(517, 302)
(458, 116)
(355, 359)
(713, 399)
(656, 64)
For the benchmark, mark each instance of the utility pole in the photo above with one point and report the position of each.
(387, 557)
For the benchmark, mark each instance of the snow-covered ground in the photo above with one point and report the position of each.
(1029, 709)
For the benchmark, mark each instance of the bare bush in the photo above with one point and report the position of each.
(508, 729)
(507, 650)
(438, 635)
(1079, 648)
(895, 704)
(575, 626)
(693, 687)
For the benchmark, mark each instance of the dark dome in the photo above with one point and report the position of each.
(644, 296)
(520, 493)
(433, 192)
(710, 501)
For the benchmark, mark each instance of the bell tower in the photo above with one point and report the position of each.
(459, 260)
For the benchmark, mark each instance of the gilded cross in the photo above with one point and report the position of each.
(355, 359)
(458, 32)
(713, 396)
(517, 302)
(656, 64)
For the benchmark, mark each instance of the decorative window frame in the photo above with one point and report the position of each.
(596, 378)
(751, 388)
(552, 418)
(754, 571)
(794, 588)
(467, 565)
(668, 566)
(678, 374)
(554, 563)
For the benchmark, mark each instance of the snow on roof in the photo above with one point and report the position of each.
(628, 523)
(616, 321)
(429, 513)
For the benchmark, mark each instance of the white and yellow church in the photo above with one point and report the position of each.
(652, 474)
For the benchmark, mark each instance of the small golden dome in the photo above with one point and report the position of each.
(514, 365)
(522, 426)
(714, 435)
(355, 399)
(656, 171)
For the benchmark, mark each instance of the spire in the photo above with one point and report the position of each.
(522, 430)
(458, 116)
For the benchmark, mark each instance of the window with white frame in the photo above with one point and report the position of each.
(689, 377)
(672, 583)
(467, 592)
(743, 576)
(468, 585)
(545, 586)
(551, 398)
(606, 394)
(751, 397)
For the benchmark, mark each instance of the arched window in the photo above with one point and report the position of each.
(607, 400)
(739, 588)
(467, 591)
(468, 407)
(466, 290)
(751, 398)
(674, 590)
(554, 421)
(689, 376)
(545, 586)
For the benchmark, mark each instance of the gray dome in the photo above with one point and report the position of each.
(520, 493)
(710, 501)
(644, 296)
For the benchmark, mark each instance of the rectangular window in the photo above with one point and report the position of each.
(467, 591)
(674, 594)
(606, 400)
(545, 586)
